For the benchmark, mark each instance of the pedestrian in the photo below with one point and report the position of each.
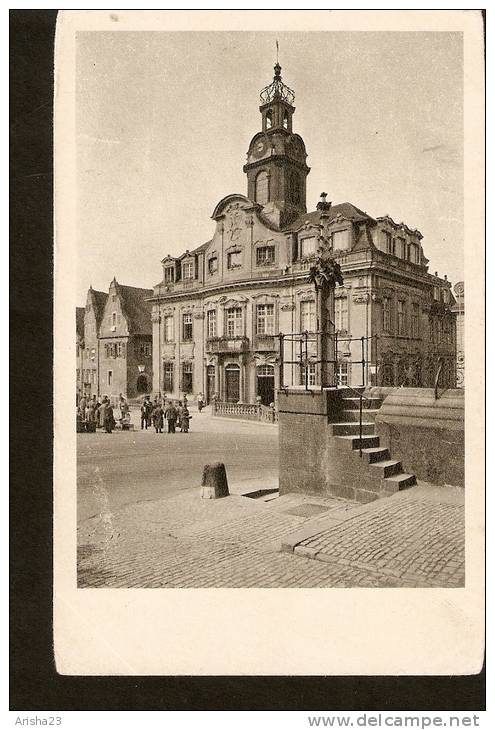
(82, 408)
(201, 402)
(97, 412)
(184, 421)
(123, 406)
(158, 418)
(171, 416)
(91, 415)
(108, 419)
(145, 414)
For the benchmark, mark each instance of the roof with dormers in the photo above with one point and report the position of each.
(346, 210)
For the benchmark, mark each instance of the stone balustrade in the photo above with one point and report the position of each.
(249, 411)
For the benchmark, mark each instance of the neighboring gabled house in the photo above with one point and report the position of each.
(125, 342)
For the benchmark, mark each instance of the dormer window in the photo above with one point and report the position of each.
(212, 265)
(188, 270)
(389, 243)
(401, 248)
(265, 255)
(308, 247)
(340, 240)
(234, 259)
(170, 274)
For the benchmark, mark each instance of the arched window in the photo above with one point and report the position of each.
(269, 119)
(261, 194)
(286, 120)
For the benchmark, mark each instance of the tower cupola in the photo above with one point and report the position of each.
(276, 160)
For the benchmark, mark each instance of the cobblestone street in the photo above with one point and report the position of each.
(411, 539)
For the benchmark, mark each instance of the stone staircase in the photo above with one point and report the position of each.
(381, 474)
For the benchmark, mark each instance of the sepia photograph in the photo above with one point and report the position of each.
(265, 270)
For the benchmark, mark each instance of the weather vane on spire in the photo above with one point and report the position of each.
(277, 48)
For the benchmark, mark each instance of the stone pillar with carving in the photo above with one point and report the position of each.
(325, 275)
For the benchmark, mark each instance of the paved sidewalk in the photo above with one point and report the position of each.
(414, 538)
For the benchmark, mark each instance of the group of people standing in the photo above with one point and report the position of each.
(93, 413)
(156, 413)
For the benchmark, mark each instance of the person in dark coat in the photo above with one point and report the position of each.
(184, 421)
(109, 422)
(146, 411)
(171, 416)
(158, 418)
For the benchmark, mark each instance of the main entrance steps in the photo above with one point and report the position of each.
(381, 474)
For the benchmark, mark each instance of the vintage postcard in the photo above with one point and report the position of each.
(269, 326)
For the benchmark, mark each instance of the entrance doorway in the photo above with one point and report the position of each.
(232, 383)
(265, 384)
(210, 383)
(143, 383)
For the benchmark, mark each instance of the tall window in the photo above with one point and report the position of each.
(233, 322)
(211, 323)
(386, 321)
(188, 270)
(187, 377)
(265, 255)
(341, 317)
(187, 327)
(340, 240)
(415, 320)
(436, 293)
(234, 259)
(308, 247)
(308, 371)
(401, 317)
(114, 318)
(269, 119)
(109, 377)
(170, 274)
(168, 328)
(342, 373)
(168, 377)
(389, 243)
(401, 248)
(285, 121)
(212, 265)
(265, 319)
(308, 316)
(261, 187)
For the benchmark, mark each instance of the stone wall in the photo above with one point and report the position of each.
(427, 435)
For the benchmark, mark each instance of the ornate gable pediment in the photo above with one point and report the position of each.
(228, 302)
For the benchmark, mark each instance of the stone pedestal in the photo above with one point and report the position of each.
(214, 482)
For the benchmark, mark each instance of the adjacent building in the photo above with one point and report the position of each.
(458, 310)
(220, 306)
(116, 356)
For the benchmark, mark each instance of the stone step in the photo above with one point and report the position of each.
(378, 453)
(348, 414)
(399, 481)
(352, 403)
(390, 467)
(353, 442)
(351, 428)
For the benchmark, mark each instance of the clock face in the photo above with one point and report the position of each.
(259, 148)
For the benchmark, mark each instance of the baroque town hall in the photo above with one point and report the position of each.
(219, 309)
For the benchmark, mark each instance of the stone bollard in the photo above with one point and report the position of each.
(214, 483)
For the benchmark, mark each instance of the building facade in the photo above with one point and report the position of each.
(116, 356)
(458, 310)
(220, 308)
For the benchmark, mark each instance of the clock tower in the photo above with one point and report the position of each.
(276, 160)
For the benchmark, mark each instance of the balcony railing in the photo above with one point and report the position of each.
(218, 345)
(248, 411)
(266, 343)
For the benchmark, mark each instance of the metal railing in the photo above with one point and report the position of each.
(308, 346)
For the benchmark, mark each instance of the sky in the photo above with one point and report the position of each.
(164, 121)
